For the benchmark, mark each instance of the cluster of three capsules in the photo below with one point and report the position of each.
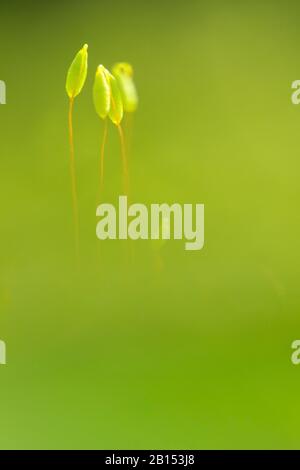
(113, 93)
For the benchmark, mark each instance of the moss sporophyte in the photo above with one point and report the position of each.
(102, 98)
(123, 72)
(76, 78)
(108, 103)
(113, 95)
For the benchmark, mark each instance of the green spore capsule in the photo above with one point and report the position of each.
(116, 103)
(102, 103)
(123, 72)
(77, 73)
(75, 80)
(102, 92)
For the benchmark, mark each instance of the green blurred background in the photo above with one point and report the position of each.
(197, 354)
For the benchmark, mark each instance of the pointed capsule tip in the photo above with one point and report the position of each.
(100, 69)
(85, 47)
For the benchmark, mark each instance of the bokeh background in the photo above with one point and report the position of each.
(122, 355)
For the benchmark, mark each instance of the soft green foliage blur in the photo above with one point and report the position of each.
(172, 349)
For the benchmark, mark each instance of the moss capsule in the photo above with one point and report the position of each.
(102, 92)
(123, 72)
(77, 73)
(116, 103)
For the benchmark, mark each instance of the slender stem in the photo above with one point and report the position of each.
(130, 252)
(124, 161)
(102, 155)
(128, 131)
(73, 179)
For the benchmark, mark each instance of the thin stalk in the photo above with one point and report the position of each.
(130, 252)
(102, 149)
(73, 180)
(124, 161)
(102, 152)
(128, 131)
